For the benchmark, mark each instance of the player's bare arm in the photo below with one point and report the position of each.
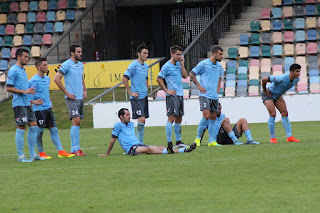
(112, 142)
(184, 72)
(194, 79)
(264, 81)
(85, 95)
(19, 91)
(126, 84)
(57, 80)
(161, 83)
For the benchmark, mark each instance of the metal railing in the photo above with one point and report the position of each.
(75, 34)
(112, 89)
(214, 30)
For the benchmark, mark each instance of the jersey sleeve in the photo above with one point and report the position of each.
(130, 71)
(197, 70)
(64, 68)
(32, 84)
(11, 78)
(277, 78)
(115, 131)
(163, 72)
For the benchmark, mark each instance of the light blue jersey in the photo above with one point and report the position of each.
(41, 85)
(126, 135)
(138, 73)
(72, 73)
(218, 124)
(280, 84)
(210, 74)
(17, 77)
(172, 74)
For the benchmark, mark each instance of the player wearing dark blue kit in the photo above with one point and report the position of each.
(124, 132)
(211, 72)
(45, 117)
(75, 92)
(17, 83)
(272, 98)
(172, 72)
(137, 73)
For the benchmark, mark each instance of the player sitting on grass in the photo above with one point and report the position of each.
(125, 133)
(227, 135)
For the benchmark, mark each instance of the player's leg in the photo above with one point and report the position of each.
(162, 149)
(272, 120)
(178, 119)
(169, 123)
(205, 108)
(225, 124)
(242, 126)
(41, 121)
(51, 124)
(214, 108)
(140, 111)
(281, 106)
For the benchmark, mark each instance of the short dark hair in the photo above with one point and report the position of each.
(293, 67)
(39, 61)
(73, 47)
(175, 48)
(122, 111)
(216, 49)
(141, 47)
(20, 51)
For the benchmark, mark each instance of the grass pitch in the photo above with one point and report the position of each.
(281, 177)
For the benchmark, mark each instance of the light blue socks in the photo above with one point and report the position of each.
(20, 142)
(272, 126)
(32, 138)
(248, 134)
(211, 130)
(232, 136)
(202, 126)
(169, 131)
(75, 137)
(55, 138)
(287, 126)
(140, 131)
(39, 139)
(177, 131)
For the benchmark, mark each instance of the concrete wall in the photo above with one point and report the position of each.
(300, 108)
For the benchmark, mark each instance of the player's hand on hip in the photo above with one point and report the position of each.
(38, 101)
(171, 92)
(134, 94)
(31, 91)
(72, 97)
(85, 95)
(267, 92)
(102, 155)
(202, 90)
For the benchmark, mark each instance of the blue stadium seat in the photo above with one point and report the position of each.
(265, 50)
(276, 12)
(298, 10)
(242, 70)
(244, 39)
(266, 38)
(2, 30)
(287, 2)
(37, 40)
(255, 38)
(277, 24)
(277, 50)
(254, 51)
(265, 74)
(5, 52)
(51, 16)
(299, 23)
(232, 64)
(288, 61)
(231, 83)
(313, 72)
(48, 27)
(242, 83)
(70, 15)
(58, 27)
(38, 28)
(277, 61)
(312, 59)
(12, 18)
(300, 35)
(230, 77)
(243, 63)
(314, 80)
(3, 64)
(241, 91)
(310, 10)
(1, 41)
(52, 5)
(33, 5)
(27, 40)
(312, 35)
(31, 17)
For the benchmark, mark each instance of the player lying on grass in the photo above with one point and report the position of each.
(227, 135)
(125, 133)
(272, 99)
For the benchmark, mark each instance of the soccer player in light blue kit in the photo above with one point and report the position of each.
(137, 73)
(45, 117)
(272, 97)
(227, 135)
(75, 92)
(172, 72)
(17, 83)
(124, 132)
(211, 72)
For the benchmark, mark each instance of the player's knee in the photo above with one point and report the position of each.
(171, 119)
(142, 120)
(284, 114)
(272, 114)
(178, 120)
(226, 121)
(243, 120)
(206, 116)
